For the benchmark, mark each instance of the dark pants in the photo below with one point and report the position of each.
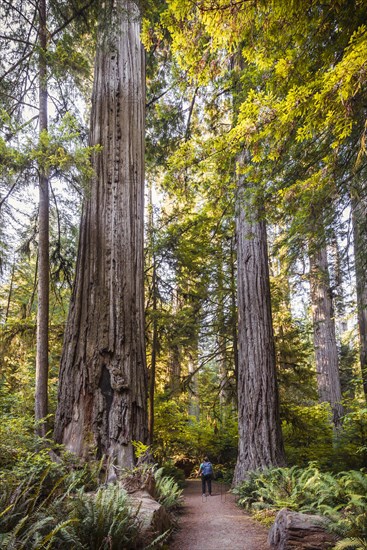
(206, 480)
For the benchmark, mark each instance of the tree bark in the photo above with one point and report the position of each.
(260, 440)
(41, 391)
(359, 217)
(221, 333)
(174, 361)
(194, 406)
(103, 377)
(234, 311)
(10, 295)
(153, 363)
(326, 352)
(293, 530)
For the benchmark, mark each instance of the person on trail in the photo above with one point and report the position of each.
(206, 472)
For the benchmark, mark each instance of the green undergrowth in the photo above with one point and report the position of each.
(169, 494)
(67, 504)
(170, 470)
(341, 497)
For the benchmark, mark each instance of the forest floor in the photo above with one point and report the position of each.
(216, 523)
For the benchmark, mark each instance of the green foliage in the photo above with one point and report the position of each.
(170, 470)
(32, 501)
(169, 443)
(59, 503)
(351, 544)
(140, 449)
(308, 436)
(101, 521)
(351, 520)
(340, 497)
(192, 437)
(168, 491)
(33, 535)
(59, 150)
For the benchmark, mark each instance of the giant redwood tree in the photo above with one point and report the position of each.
(103, 386)
(260, 442)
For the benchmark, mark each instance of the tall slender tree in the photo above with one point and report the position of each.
(41, 393)
(326, 352)
(153, 299)
(103, 382)
(359, 218)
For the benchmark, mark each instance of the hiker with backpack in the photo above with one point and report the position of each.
(206, 472)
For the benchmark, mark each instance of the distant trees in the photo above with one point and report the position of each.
(299, 154)
(34, 155)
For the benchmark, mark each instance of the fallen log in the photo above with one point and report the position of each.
(153, 517)
(293, 530)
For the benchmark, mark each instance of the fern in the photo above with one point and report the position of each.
(169, 493)
(101, 521)
(351, 544)
(342, 498)
(158, 541)
(27, 535)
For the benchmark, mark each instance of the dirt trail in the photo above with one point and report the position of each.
(216, 523)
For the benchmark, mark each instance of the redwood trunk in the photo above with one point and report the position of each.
(154, 354)
(41, 390)
(234, 312)
(260, 440)
(326, 352)
(103, 378)
(359, 213)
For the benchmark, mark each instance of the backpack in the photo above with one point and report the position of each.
(207, 468)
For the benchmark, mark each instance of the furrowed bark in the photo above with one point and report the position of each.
(260, 440)
(359, 217)
(103, 378)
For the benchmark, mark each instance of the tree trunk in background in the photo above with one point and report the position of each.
(103, 377)
(194, 406)
(359, 216)
(260, 443)
(234, 311)
(346, 360)
(153, 363)
(326, 352)
(41, 390)
(175, 370)
(153, 299)
(221, 336)
(174, 359)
